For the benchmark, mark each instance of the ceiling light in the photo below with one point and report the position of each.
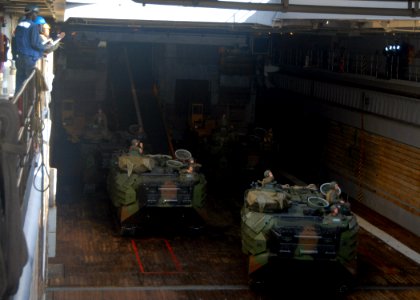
(102, 44)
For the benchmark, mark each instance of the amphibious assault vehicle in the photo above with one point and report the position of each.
(283, 224)
(149, 190)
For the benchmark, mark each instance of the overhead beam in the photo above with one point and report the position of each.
(365, 11)
(165, 37)
(285, 7)
(48, 8)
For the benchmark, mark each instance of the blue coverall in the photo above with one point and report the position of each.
(29, 49)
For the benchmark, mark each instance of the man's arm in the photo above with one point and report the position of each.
(36, 42)
(14, 52)
(50, 47)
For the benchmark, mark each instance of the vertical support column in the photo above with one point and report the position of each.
(52, 213)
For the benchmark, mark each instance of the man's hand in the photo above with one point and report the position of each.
(61, 35)
(50, 47)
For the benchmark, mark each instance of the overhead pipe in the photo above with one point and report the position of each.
(133, 89)
(285, 7)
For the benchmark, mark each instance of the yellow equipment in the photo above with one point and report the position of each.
(73, 123)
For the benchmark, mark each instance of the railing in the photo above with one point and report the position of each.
(21, 161)
(376, 65)
(28, 103)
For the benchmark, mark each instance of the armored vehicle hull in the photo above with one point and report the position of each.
(294, 223)
(153, 189)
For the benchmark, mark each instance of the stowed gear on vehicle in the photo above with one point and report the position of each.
(147, 190)
(281, 223)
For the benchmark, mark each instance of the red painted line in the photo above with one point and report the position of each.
(162, 273)
(136, 252)
(174, 258)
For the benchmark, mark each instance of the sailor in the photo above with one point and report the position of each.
(334, 210)
(136, 148)
(188, 173)
(268, 178)
(28, 45)
(333, 195)
(333, 198)
(268, 136)
(194, 165)
(100, 120)
(44, 30)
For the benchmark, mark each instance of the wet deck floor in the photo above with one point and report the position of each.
(94, 262)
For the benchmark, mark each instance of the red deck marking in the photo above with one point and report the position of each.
(171, 252)
(136, 251)
(174, 258)
(161, 273)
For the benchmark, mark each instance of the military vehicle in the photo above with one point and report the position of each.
(80, 127)
(72, 120)
(150, 189)
(281, 224)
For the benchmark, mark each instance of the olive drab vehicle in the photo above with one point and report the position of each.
(282, 223)
(83, 128)
(148, 189)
